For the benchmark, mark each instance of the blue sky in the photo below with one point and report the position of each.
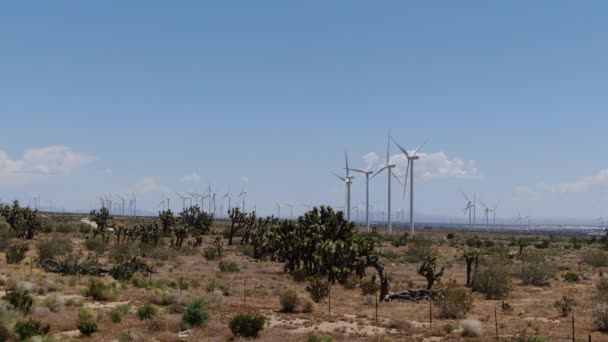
(119, 97)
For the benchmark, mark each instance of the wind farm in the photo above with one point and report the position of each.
(310, 172)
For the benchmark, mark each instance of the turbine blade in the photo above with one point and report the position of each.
(407, 171)
(465, 196)
(357, 170)
(484, 205)
(377, 172)
(419, 148)
(397, 178)
(497, 204)
(339, 177)
(346, 159)
(400, 147)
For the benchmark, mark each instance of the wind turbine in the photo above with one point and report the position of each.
(162, 203)
(494, 211)
(348, 180)
(601, 219)
(278, 209)
(367, 175)
(123, 205)
(410, 168)
(243, 194)
(389, 167)
(183, 200)
(486, 213)
(290, 205)
(135, 204)
(468, 207)
(229, 195)
(519, 218)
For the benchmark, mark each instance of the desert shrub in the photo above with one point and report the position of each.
(596, 258)
(247, 325)
(31, 328)
(418, 250)
(448, 328)
(117, 314)
(572, 277)
(299, 275)
(318, 289)
(5, 333)
(319, 338)
(227, 266)
(196, 313)
(535, 270)
(126, 336)
(19, 299)
(471, 328)
(308, 306)
(600, 317)
(289, 300)
(451, 236)
(86, 324)
(211, 253)
(564, 305)
(147, 311)
(370, 287)
(101, 291)
(602, 288)
(51, 249)
(506, 308)
(15, 252)
(123, 252)
(544, 244)
(456, 302)
(162, 253)
(493, 279)
(96, 245)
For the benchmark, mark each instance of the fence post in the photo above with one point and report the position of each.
(430, 315)
(573, 335)
(376, 309)
(496, 320)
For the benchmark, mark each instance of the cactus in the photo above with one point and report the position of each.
(428, 269)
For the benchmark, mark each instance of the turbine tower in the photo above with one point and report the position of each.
(389, 167)
(410, 168)
(243, 194)
(348, 180)
(468, 207)
(183, 200)
(367, 175)
(229, 195)
(278, 209)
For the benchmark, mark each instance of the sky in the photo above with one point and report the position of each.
(152, 97)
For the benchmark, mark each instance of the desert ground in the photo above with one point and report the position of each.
(574, 266)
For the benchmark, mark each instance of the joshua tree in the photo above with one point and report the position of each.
(24, 221)
(103, 219)
(167, 220)
(471, 257)
(428, 269)
(237, 222)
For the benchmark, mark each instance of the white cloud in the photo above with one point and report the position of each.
(51, 160)
(108, 172)
(582, 185)
(192, 178)
(370, 159)
(148, 185)
(436, 165)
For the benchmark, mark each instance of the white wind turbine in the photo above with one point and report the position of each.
(468, 208)
(278, 208)
(411, 157)
(519, 218)
(290, 205)
(486, 213)
(183, 200)
(389, 167)
(348, 180)
(367, 175)
(243, 194)
(229, 196)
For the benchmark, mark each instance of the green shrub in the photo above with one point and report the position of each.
(195, 314)
(455, 303)
(319, 338)
(602, 288)
(31, 328)
(96, 245)
(117, 314)
(600, 317)
(572, 277)
(147, 311)
(15, 252)
(19, 299)
(51, 249)
(451, 236)
(370, 287)
(228, 266)
(299, 275)
(448, 328)
(596, 258)
(247, 325)
(211, 253)
(418, 250)
(535, 270)
(98, 290)
(126, 336)
(493, 279)
(289, 300)
(123, 252)
(318, 289)
(564, 305)
(86, 324)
